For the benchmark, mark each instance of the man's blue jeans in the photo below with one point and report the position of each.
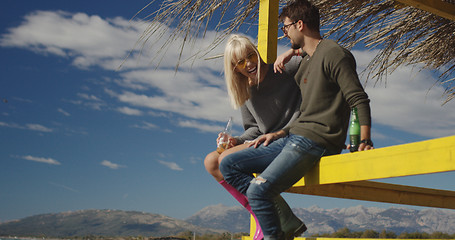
(280, 164)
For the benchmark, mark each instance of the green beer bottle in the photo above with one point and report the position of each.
(354, 131)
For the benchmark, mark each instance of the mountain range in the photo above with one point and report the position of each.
(99, 223)
(320, 220)
(220, 218)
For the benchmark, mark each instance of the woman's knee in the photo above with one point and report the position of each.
(211, 161)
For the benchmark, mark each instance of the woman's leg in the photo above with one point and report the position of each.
(212, 160)
(211, 163)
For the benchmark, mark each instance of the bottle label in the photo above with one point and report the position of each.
(354, 143)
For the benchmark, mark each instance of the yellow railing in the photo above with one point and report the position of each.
(349, 175)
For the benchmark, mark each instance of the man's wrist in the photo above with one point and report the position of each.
(367, 142)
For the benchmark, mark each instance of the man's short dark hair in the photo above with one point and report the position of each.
(302, 10)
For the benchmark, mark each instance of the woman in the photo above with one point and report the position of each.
(268, 101)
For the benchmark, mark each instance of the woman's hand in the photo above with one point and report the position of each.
(231, 141)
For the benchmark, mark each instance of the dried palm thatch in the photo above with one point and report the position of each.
(190, 19)
(403, 35)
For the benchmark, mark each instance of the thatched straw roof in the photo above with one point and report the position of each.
(402, 34)
(405, 35)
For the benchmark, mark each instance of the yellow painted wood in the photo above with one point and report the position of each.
(438, 7)
(346, 175)
(253, 225)
(322, 238)
(268, 30)
(431, 156)
(382, 192)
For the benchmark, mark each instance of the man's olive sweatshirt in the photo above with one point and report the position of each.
(330, 87)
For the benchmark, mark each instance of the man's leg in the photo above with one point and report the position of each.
(238, 168)
(294, 161)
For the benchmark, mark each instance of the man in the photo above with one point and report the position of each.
(330, 87)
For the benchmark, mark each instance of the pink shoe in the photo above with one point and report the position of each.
(242, 199)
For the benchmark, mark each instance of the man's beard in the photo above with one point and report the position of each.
(295, 45)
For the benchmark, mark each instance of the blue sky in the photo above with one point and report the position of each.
(77, 132)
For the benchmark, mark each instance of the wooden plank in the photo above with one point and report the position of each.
(438, 7)
(382, 192)
(268, 30)
(323, 238)
(431, 156)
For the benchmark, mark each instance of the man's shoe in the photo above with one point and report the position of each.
(291, 225)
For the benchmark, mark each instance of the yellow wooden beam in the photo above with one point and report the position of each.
(323, 238)
(346, 175)
(438, 7)
(382, 192)
(431, 156)
(268, 30)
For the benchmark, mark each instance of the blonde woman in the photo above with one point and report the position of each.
(268, 102)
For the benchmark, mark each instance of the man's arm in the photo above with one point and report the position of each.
(365, 134)
(284, 58)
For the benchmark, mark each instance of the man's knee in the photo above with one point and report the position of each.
(227, 166)
(257, 188)
(261, 188)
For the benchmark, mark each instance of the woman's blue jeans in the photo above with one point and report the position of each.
(280, 164)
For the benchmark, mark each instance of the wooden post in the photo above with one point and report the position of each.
(268, 30)
(438, 7)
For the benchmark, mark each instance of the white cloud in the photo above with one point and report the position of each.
(90, 101)
(202, 127)
(171, 165)
(64, 187)
(76, 35)
(63, 112)
(29, 126)
(409, 101)
(189, 93)
(38, 127)
(88, 97)
(129, 111)
(41, 160)
(146, 126)
(111, 165)
(197, 92)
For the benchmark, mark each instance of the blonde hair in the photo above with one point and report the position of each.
(237, 48)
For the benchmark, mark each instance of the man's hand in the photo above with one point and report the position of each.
(281, 60)
(267, 138)
(364, 147)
